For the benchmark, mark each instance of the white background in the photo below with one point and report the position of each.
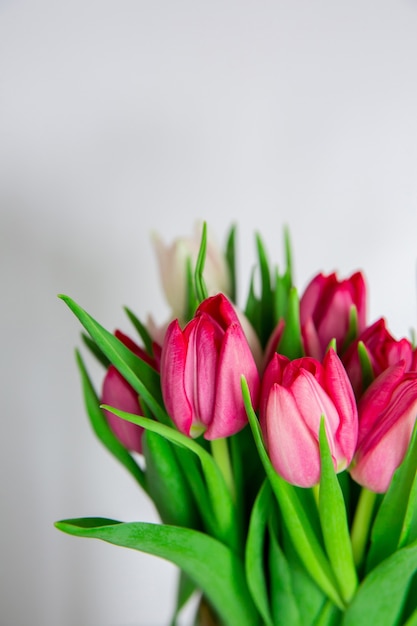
(119, 118)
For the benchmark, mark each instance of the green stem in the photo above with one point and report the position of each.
(361, 524)
(220, 452)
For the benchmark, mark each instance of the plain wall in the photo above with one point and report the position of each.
(117, 119)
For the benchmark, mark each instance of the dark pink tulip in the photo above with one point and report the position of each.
(383, 351)
(387, 412)
(118, 393)
(201, 367)
(294, 397)
(325, 310)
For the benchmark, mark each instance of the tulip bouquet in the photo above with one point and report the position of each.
(277, 443)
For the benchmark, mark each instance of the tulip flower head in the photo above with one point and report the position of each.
(173, 261)
(325, 311)
(294, 397)
(117, 392)
(201, 368)
(387, 413)
(382, 350)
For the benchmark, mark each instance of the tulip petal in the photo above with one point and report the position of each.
(173, 359)
(293, 449)
(340, 391)
(235, 360)
(118, 393)
(200, 368)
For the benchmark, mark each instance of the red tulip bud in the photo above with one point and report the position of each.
(387, 412)
(325, 311)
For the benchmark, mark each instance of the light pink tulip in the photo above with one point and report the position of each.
(325, 309)
(173, 260)
(387, 412)
(382, 350)
(294, 397)
(201, 368)
(118, 393)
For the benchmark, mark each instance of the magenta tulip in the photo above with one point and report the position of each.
(325, 310)
(117, 392)
(387, 412)
(201, 369)
(294, 397)
(382, 350)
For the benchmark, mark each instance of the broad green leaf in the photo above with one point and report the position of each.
(334, 522)
(200, 285)
(102, 429)
(95, 350)
(219, 495)
(309, 597)
(409, 529)
(141, 330)
(389, 523)
(143, 378)
(380, 597)
(167, 485)
(329, 615)
(213, 567)
(412, 620)
(290, 344)
(254, 555)
(283, 601)
(231, 262)
(295, 518)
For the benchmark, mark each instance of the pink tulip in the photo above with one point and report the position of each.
(201, 368)
(294, 397)
(387, 412)
(325, 310)
(382, 350)
(118, 393)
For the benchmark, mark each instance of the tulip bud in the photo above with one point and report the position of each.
(382, 351)
(387, 412)
(173, 269)
(117, 392)
(294, 397)
(325, 311)
(201, 369)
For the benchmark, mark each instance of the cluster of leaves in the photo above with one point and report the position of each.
(260, 550)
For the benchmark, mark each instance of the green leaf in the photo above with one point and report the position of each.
(328, 616)
(231, 262)
(141, 376)
(309, 597)
(366, 366)
(290, 344)
(288, 256)
(254, 554)
(352, 331)
(95, 350)
(167, 485)
(334, 522)
(141, 329)
(218, 494)
(393, 521)
(295, 518)
(380, 597)
(191, 302)
(283, 601)
(186, 588)
(200, 285)
(213, 567)
(412, 620)
(102, 429)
